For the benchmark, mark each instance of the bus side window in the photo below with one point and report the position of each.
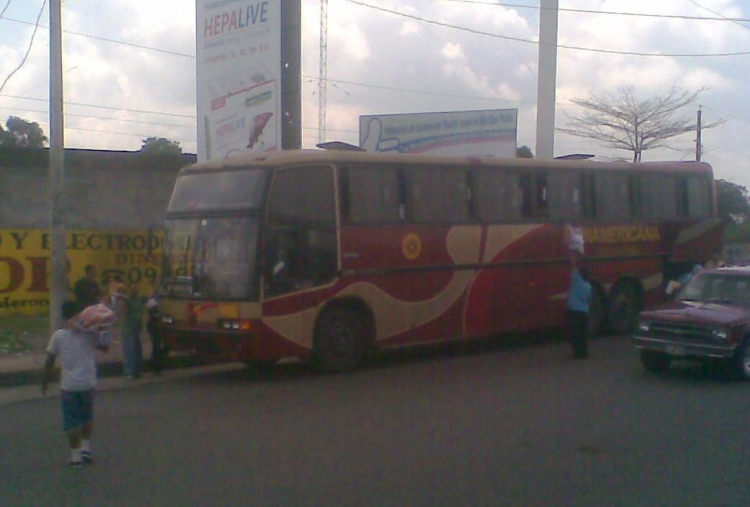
(682, 197)
(699, 197)
(635, 197)
(371, 195)
(437, 195)
(300, 234)
(588, 183)
(565, 196)
(497, 195)
(612, 196)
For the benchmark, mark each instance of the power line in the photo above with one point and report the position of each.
(529, 41)
(103, 107)
(105, 39)
(28, 50)
(613, 13)
(5, 9)
(422, 92)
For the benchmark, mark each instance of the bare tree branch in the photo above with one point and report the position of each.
(623, 121)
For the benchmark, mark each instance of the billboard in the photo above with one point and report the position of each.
(238, 67)
(486, 133)
(130, 256)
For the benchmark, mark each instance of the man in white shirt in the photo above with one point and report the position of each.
(76, 344)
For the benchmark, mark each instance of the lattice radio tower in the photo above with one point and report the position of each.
(323, 72)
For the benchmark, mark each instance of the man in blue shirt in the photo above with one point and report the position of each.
(579, 299)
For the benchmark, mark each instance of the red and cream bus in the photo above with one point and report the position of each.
(331, 255)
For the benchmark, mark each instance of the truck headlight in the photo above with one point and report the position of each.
(720, 335)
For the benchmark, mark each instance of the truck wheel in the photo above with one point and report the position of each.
(739, 365)
(654, 361)
(340, 340)
(623, 309)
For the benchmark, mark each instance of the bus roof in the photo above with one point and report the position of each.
(312, 156)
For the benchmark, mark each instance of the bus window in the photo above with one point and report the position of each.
(300, 246)
(565, 196)
(304, 193)
(681, 191)
(635, 195)
(588, 183)
(497, 195)
(371, 195)
(437, 195)
(612, 196)
(659, 192)
(699, 197)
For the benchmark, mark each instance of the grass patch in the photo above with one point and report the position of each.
(19, 333)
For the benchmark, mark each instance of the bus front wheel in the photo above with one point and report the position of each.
(340, 340)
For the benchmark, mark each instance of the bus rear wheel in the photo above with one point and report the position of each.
(340, 340)
(624, 306)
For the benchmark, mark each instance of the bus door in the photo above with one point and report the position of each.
(299, 254)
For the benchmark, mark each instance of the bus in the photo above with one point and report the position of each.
(330, 256)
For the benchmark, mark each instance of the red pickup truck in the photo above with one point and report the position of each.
(709, 320)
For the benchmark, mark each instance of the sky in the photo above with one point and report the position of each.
(129, 67)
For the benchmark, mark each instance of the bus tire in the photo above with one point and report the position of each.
(340, 342)
(623, 308)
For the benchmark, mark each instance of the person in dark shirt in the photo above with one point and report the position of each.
(86, 290)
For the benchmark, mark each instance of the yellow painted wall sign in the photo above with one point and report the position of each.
(623, 234)
(132, 256)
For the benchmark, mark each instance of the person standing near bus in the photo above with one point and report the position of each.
(132, 323)
(579, 300)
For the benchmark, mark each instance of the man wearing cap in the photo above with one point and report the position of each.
(76, 344)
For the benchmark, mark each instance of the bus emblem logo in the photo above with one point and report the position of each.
(411, 246)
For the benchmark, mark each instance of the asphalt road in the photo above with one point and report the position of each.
(486, 426)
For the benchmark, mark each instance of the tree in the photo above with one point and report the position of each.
(160, 146)
(625, 122)
(733, 201)
(524, 152)
(20, 133)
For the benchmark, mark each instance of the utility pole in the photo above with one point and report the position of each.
(323, 71)
(547, 80)
(698, 142)
(57, 215)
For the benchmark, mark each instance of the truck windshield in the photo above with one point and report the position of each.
(211, 258)
(726, 288)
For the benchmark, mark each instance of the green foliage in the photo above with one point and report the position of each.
(160, 146)
(23, 332)
(20, 133)
(524, 152)
(732, 200)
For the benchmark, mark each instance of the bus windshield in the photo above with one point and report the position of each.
(218, 190)
(211, 257)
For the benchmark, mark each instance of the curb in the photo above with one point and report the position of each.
(106, 369)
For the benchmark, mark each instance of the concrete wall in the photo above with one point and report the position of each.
(107, 190)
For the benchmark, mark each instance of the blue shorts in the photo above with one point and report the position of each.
(77, 408)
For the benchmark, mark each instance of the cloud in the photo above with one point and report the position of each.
(380, 62)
